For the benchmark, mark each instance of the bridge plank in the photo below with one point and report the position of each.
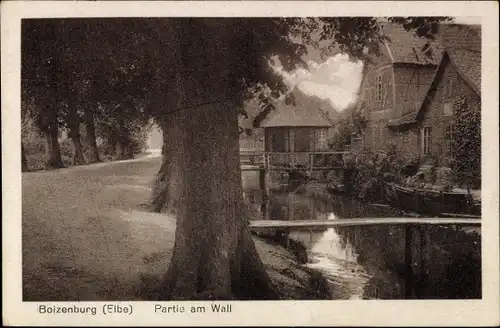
(286, 168)
(256, 224)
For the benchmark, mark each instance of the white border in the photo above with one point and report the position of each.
(456, 313)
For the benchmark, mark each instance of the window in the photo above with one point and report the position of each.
(448, 108)
(426, 140)
(374, 134)
(449, 86)
(378, 88)
(321, 139)
(449, 132)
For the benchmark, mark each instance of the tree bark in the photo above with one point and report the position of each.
(119, 150)
(214, 254)
(123, 150)
(24, 161)
(123, 142)
(128, 151)
(74, 134)
(93, 152)
(165, 191)
(52, 149)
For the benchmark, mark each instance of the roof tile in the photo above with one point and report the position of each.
(307, 111)
(462, 43)
(407, 47)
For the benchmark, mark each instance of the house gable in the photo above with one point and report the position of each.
(466, 65)
(404, 69)
(411, 83)
(450, 81)
(461, 62)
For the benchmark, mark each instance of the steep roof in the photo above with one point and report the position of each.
(305, 110)
(468, 65)
(462, 44)
(458, 36)
(406, 47)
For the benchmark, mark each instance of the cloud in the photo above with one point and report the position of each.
(336, 80)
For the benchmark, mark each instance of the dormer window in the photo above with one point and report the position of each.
(427, 51)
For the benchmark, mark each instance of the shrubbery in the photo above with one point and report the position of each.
(367, 172)
(35, 147)
(466, 164)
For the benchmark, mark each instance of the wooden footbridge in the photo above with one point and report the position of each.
(307, 162)
(273, 224)
(292, 161)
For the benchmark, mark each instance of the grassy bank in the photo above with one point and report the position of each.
(85, 237)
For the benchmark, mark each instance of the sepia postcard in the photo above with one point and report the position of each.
(321, 163)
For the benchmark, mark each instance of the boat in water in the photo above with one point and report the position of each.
(431, 201)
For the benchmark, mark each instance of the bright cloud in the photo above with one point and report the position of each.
(337, 80)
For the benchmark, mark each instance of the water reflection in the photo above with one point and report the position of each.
(377, 262)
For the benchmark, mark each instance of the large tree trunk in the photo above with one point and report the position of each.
(74, 134)
(119, 150)
(165, 190)
(123, 141)
(93, 152)
(128, 151)
(122, 149)
(214, 255)
(24, 161)
(52, 149)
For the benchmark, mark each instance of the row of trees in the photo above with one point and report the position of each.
(192, 76)
(63, 88)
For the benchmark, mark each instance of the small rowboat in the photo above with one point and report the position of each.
(430, 201)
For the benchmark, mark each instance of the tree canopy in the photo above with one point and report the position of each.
(130, 63)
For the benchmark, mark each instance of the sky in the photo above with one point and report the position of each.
(336, 80)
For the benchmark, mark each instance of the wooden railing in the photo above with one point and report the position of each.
(310, 161)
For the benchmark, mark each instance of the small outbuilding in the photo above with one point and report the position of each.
(300, 123)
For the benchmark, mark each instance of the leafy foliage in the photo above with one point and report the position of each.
(135, 62)
(367, 175)
(426, 27)
(341, 138)
(348, 127)
(466, 163)
(126, 71)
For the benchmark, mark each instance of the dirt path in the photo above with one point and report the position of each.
(84, 237)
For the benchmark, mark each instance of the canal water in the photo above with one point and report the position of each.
(374, 262)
